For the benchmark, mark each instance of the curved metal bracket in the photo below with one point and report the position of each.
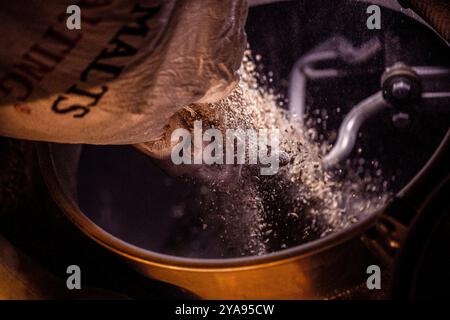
(349, 129)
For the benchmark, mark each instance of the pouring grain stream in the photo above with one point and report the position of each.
(257, 214)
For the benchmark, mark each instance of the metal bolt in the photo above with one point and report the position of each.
(401, 89)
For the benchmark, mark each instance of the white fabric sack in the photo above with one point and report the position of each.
(121, 77)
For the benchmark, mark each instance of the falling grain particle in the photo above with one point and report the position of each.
(293, 214)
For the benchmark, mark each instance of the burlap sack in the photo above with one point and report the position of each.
(121, 77)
